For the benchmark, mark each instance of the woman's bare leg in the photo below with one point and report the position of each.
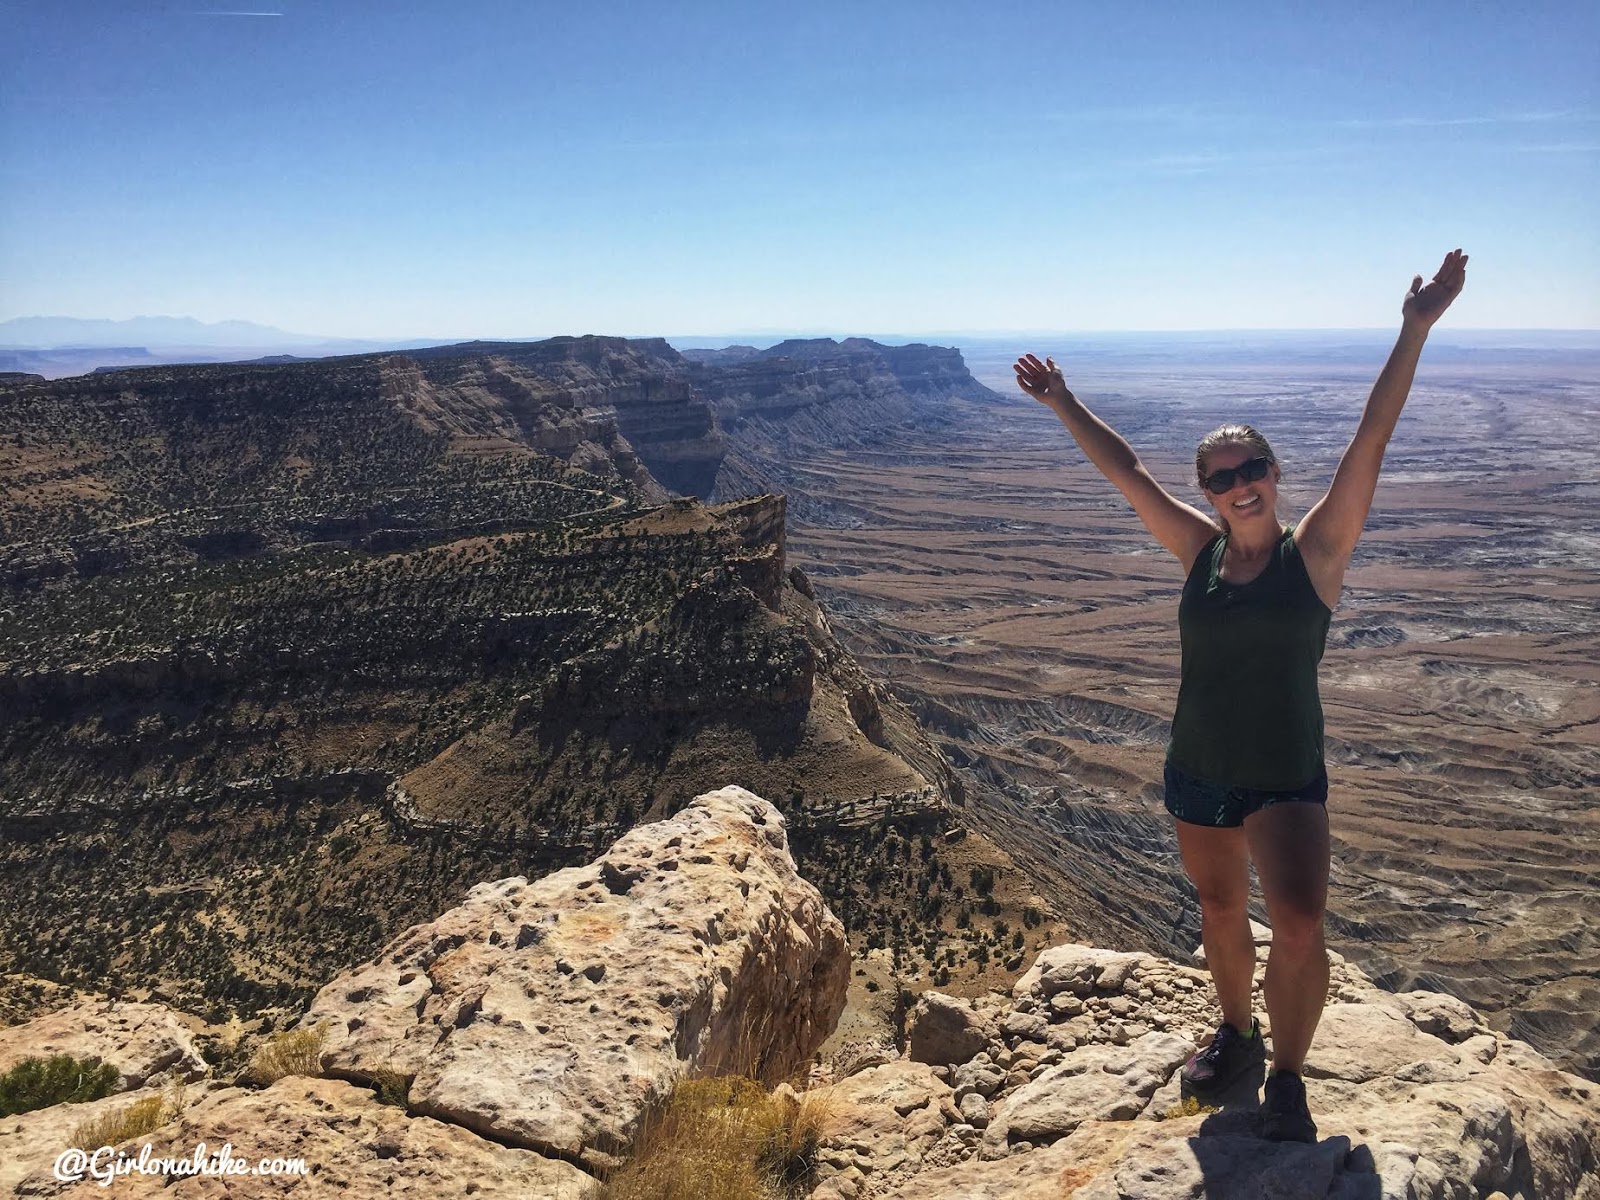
(1218, 864)
(1290, 847)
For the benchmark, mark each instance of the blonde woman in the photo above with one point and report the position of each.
(1245, 779)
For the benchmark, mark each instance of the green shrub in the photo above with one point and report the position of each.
(391, 1087)
(60, 1079)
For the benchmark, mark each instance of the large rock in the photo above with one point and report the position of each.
(882, 1120)
(352, 1146)
(1094, 1082)
(142, 1041)
(1081, 970)
(1359, 1042)
(944, 1029)
(550, 1015)
(1123, 1161)
(30, 1141)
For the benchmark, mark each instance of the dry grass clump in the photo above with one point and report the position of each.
(391, 1087)
(292, 1052)
(724, 1138)
(134, 1120)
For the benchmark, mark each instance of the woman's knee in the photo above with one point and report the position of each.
(1218, 865)
(1223, 900)
(1298, 921)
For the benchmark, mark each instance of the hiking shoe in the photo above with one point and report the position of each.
(1285, 1117)
(1230, 1055)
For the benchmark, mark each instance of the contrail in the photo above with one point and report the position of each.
(234, 14)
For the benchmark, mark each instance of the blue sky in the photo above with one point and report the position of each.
(366, 168)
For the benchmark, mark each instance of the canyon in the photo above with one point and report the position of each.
(300, 652)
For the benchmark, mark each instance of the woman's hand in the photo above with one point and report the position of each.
(1042, 380)
(1425, 305)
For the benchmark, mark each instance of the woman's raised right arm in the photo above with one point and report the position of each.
(1181, 528)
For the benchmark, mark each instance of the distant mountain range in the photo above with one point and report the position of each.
(51, 333)
(55, 347)
(59, 346)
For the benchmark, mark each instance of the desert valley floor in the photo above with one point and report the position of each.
(1008, 594)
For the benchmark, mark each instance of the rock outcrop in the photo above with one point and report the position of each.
(144, 1042)
(639, 389)
(808, 393)
(1077, 1093)
(350, 1144)
(552, 1014)
(531, 1027)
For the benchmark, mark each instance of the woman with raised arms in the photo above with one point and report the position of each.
(1245, 779)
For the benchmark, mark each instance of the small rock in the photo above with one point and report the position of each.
(974, 1110)
(1114, 975)
(1024, 1025)
(979, 1076)
(1064, 1004)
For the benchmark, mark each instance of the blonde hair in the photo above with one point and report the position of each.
(1229, 435)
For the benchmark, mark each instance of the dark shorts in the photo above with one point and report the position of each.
(1201, 802)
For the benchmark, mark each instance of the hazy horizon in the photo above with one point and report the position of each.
(1441, 335)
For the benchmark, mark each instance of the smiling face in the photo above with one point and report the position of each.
(1245, 501)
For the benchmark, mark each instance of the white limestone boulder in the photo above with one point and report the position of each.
(1096, 1082)
(943, 1029)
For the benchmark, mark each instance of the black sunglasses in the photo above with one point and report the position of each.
(1250, 470)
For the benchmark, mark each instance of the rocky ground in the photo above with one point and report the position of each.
(512, 1047)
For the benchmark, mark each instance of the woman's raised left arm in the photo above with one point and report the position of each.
(1328, 534)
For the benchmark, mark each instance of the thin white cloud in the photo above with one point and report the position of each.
(1139, 113)
(1559, 148)
(1528, 118)
(1183, 164)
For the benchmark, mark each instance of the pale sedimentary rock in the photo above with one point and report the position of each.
(946, 1029)
(881, 1119)
(142, 1041)
(1414, 1097)
(551, 1014)
(1093, 1083)
(352, 1146)
(30, 1141)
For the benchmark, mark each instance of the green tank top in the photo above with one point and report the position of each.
(1248, 710)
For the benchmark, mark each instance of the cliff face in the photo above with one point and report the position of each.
(818, 393)
(643, 384)
(423, 609)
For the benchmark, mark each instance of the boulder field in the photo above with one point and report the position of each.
(519, 1040)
